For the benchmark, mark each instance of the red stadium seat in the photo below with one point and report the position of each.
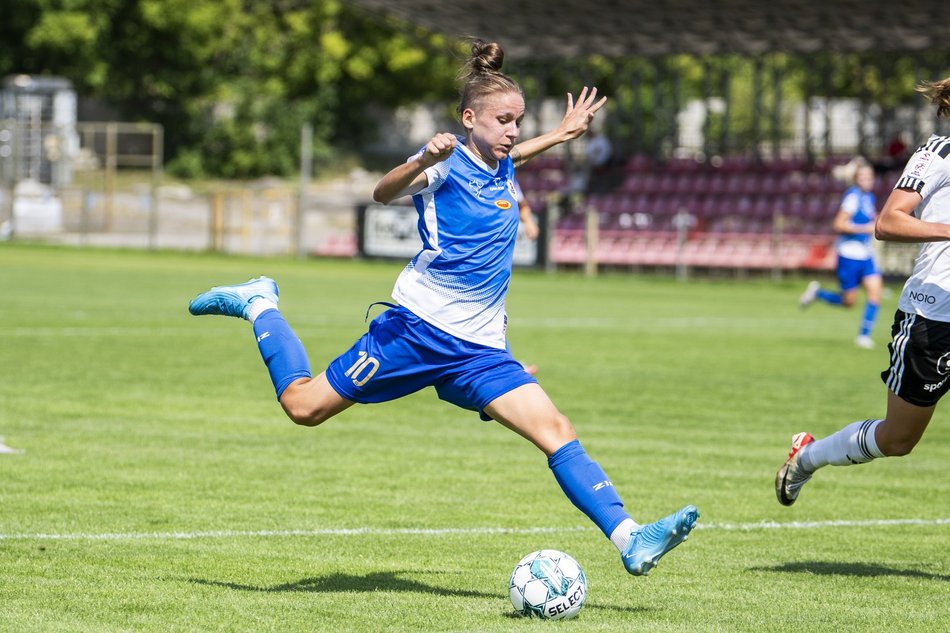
(639, 163)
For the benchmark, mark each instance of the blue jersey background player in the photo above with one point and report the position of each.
(448, 331)
(854, 224)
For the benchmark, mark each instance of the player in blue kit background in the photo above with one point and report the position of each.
(854, 224)
(448, 330)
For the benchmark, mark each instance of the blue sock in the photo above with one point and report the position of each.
(870, 315)
(834, 298)
(282, 351)
(586, 485)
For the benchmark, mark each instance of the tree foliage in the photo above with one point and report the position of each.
(232, 81)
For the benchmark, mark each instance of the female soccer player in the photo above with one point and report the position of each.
(920, 348)
(854, 224)
(448, 330)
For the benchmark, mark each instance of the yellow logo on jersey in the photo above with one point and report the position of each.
(502, 204)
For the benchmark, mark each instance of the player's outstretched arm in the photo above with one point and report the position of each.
(409, 178)
(577, 118)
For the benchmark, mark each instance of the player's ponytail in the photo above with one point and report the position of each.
(482, 76)
(938, 93)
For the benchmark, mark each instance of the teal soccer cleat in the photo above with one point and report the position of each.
(650, 542)
(234, 300)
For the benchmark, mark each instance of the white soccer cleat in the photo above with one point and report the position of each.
(864, 341)
(810, 294)
(791, 476)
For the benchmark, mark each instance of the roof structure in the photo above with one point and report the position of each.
(539, 30)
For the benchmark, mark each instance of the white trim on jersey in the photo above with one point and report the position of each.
(431, 222)
(435, 176)
(939, 145)
(896, 376)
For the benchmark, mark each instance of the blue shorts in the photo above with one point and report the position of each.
(401, 354)
(852, 271)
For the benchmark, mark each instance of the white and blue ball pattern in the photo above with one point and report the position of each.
(548, 584)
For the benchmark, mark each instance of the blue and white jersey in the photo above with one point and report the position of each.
(861, 206)
(927, 290)
(468, 222)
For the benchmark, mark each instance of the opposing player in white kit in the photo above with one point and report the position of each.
(920, 346)
(448, 329)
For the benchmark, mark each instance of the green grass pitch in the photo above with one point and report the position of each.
(162, 488)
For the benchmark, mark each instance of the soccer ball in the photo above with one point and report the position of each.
(548, 584)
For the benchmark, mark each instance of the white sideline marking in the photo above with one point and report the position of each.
(632, 323)
(810, 525)
(762, 525)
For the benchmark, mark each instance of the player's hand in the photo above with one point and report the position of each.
(439, 148)
(579, 114)
(531, 230)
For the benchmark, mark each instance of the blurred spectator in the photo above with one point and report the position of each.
(589, 175)
(894, 156)
(896, 149)
(599, 150)
(599, 153)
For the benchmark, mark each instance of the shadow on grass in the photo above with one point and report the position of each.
(379, 581)
(850, 569)
(340, 583)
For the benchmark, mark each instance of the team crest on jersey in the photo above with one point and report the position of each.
(476, 187)
(503, 204)
(512, 190)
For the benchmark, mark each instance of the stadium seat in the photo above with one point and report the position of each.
(568, 246)
(734, 207)
(665, 183)
(638, 163)
(695, 183)
(716, 184)
(633, 184)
